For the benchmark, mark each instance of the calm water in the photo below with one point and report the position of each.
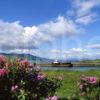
(72, 68)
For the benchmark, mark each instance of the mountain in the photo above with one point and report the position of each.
(31, 58)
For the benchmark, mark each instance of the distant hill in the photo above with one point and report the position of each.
(90, 61)
(95, 62)
(29, 57)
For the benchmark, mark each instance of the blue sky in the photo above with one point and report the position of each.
(31, 12)
(58, 29)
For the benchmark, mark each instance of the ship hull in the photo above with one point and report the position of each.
(57, 65)
(62, 65)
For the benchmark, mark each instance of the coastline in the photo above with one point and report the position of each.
(86, 64)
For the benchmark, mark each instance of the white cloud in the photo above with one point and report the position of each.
(36, 34)
(10, 34)
(86, 19)
(81, 53)
(55, 51)
(82, 11)
(15, 36)
(25, 51)
(77, 50)
(85, 7)
(60, 26)
(71, 53)
(94, 46)
(74, 53)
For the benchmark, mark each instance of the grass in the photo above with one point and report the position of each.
(69, 83)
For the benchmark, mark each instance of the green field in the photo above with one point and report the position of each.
(70, 80)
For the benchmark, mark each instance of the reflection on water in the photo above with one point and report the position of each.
(72, 68)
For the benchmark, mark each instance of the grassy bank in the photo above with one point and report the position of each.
(70, 80)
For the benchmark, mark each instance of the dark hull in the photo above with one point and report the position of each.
(56, 65)
(62, 65)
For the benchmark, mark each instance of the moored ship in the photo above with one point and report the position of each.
(61, 64)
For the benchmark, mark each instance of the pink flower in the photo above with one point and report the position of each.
(3, 72)
(2, 58)
(52, 98)
(40, 76)
(24, 63)
(14, 88)
(91, 80)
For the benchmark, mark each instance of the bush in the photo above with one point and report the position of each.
(89, 88)
(19, 80)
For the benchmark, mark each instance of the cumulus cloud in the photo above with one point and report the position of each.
(34, 33)
(14, 35)
(10, 34)
(60, 26)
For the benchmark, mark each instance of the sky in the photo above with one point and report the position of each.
(55, 29)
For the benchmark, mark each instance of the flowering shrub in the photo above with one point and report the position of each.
(89, 88)
(19, 80)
